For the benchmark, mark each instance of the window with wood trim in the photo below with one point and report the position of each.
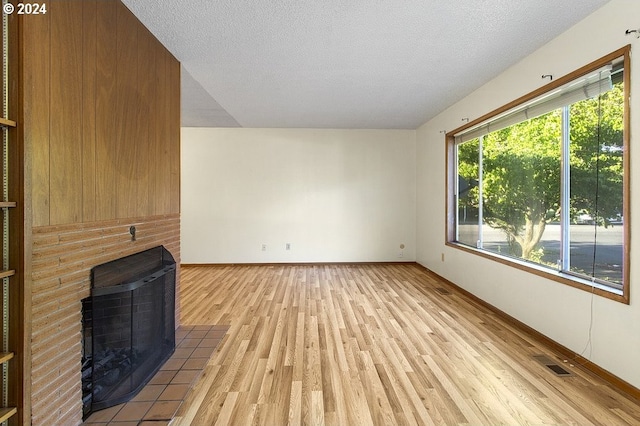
(542, 183)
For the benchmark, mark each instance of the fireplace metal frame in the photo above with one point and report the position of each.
(154, 267)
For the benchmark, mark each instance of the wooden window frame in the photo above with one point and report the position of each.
(564, 278)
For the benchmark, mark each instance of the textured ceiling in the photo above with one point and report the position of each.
(344, 63)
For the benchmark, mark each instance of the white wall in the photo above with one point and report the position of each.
(334, 195)
(556, 310)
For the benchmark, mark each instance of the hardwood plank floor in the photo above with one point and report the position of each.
(373, 344)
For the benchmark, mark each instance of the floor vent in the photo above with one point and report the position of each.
(442, 290)
(552, 365)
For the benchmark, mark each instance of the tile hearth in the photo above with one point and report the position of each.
(159, 400)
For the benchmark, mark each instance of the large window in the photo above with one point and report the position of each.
(542, 183)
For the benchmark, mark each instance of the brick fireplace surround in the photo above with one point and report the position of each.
(63, 257)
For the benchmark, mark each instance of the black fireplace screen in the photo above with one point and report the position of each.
(128, 326)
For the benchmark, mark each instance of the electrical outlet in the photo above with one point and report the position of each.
(442, 257)
(288, 246)
(401, 253)
(264, 247)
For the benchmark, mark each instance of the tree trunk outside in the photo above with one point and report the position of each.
(533, 231)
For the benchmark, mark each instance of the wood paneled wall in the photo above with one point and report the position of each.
(19, 226)
(102, 115)
(100, 123)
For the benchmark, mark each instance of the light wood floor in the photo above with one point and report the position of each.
(372, 344)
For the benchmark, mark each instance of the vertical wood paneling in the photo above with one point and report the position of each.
(37, 84)
(66, 105)
(2, 159)
(154, 119)
(2, 85)
(101, 138)
(106, 128)
(89, 55)
(105, 116)
(128, 100)
(101, 141)
(142, 165)
(19, 235)
(174, 142)
(162, 142)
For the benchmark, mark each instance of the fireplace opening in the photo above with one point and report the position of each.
(128, 326)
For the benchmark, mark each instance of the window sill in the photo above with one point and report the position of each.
(618, 295)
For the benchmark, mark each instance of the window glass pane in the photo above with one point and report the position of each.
(468, 177)
(596, 149)
(521, 189)
(544, 181)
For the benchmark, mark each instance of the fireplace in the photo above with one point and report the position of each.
(128, 326)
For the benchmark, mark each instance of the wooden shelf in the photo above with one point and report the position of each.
(6, 413)
(7, 123)
(5, 356)
(7, 273)
(7, 204)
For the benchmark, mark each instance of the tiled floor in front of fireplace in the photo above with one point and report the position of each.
(159, 400)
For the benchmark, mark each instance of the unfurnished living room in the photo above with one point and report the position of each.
(294, 212)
